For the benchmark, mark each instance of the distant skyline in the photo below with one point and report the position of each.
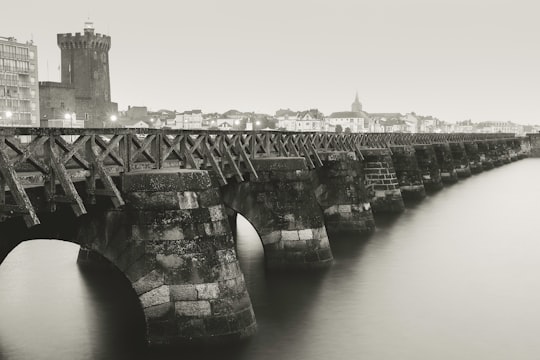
(455, 60)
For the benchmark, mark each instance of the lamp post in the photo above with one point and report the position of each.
(70, 116)
(9, 115)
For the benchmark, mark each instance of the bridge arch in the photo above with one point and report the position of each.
(281, 205)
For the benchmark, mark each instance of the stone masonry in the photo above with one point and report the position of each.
(475, 162)
(461, 161)
(427, 162)
(446, 162)
(484, 153)
(381, 181)
(341, 192)
(175, 245)
(408, 172)
(282, 207)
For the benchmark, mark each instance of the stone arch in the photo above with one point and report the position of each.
(281, 206)
(62, 225)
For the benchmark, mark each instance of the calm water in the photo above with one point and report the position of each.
(454, 277)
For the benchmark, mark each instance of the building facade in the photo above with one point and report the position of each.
(19, 90)
(353, 121)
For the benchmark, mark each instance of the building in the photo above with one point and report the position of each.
(348, 121)
(84, 77)
(378, 121)
(286, 119)
(310, 120)
(19, 90)
(190, 119)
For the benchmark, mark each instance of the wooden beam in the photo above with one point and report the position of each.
(214, 164)
(63, 177)
(231, 161)
(72, 151)
(246, 159)
(17, 190)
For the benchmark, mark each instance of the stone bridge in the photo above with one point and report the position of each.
(157, 204)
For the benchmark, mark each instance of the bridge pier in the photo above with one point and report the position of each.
(495, 153)
(381, 181)
(513, 149)
(342, 195)
(461, 161)
(504, 152)
(524, 150)
(427, 162)
(282, 207)
(484, 152)
(475, 163)
(174, 244)
(408, 172)
(446, 162)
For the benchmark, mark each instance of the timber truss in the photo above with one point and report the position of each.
(55, 159)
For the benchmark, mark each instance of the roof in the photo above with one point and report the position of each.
(347, 114)
(232, 112)
(284, 112)
(314, 113)
(192, 112)
(385, 115)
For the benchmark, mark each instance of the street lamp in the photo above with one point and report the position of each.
(70, 117)
(9, 115)
(114, 118)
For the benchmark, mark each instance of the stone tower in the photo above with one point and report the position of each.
(85, 68)
(356, 105)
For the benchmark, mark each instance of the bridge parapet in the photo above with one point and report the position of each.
(56, 158)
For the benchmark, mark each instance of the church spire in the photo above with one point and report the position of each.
(356, 105)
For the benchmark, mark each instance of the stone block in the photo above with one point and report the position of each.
(289, 235)
(344, 208)
(294, 244)
(151, 281)
(216, 213)
(165, 180)
(207, 291)
(187, 200)
(158, 311)
(279, 164)
(183, 292)
(193, 308)
(209, 198)
(226, 256)
(331, 210)
(273, 237)
(156, 232)
(156, 296)
(305, 234)
(216, 228)
(171, 261)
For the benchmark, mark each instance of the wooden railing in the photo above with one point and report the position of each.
(57, 158)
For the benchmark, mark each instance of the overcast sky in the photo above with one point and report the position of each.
(455, 59)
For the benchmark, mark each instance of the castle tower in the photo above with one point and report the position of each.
(356, 105)
(85, 68)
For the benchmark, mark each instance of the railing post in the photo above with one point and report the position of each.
(50, 180)
(156, 150)
(253, 144)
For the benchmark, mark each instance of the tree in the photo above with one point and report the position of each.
(339, 129)
(347, 130)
